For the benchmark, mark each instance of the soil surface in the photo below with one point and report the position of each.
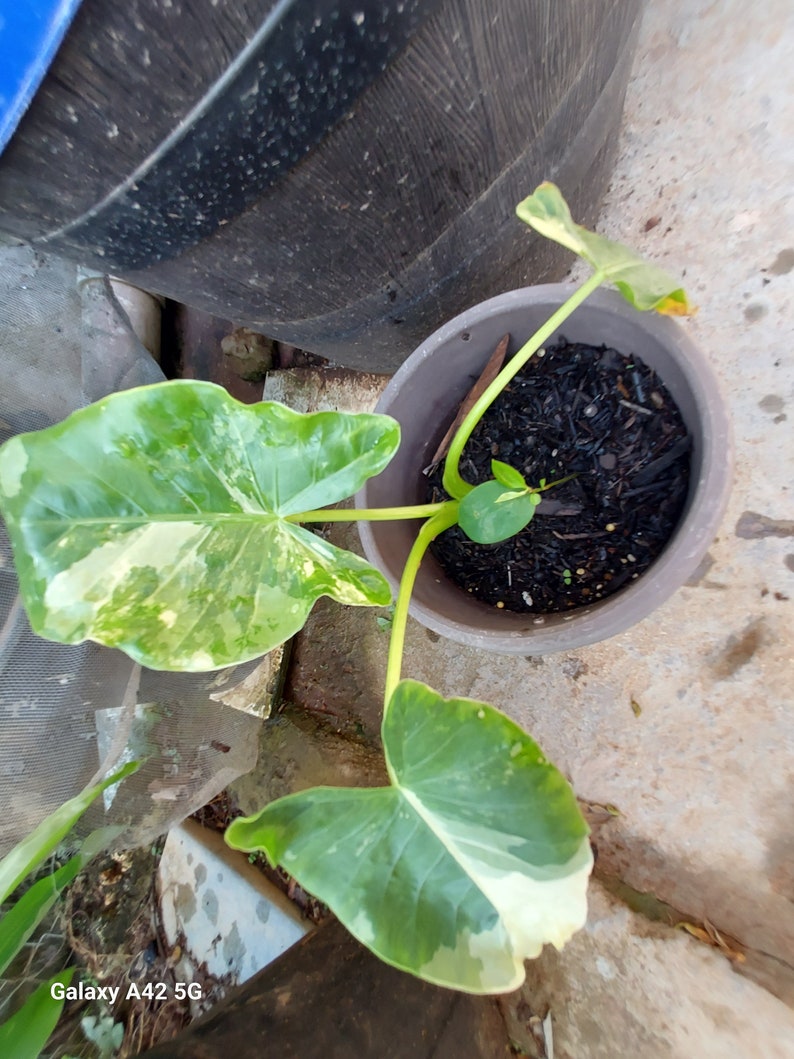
(606, 417)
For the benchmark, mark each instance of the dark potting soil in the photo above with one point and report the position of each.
(607, 417)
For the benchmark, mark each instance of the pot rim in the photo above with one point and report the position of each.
(706, 503)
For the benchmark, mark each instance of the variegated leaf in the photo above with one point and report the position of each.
(470, 861)
(643, 285)
(154, 521)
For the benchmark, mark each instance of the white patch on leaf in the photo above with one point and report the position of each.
(78, 592)
(476, 963)
(13, 463)
(200, 662)
(537, 912)
(537, 904)
(361, 927)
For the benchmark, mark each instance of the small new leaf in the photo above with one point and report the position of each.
(473, 858)
(507, 475)
(385, 621)
(490, 513)
(643, 285)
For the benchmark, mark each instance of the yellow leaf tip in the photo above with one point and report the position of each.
(676, 304)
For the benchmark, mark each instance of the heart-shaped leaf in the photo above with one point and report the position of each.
(473, 859)
(154, 521)
(643, 285)
(490, 513)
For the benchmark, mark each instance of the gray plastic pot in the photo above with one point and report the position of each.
(424, 396)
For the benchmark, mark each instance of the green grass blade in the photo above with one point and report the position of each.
(24, 1035)
(32, 851)
(19, 922)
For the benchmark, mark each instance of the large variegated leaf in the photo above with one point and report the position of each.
(154, 521)
(471, 860)
(643, 285)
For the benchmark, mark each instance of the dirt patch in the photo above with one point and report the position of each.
(753, 526)
(113, 928)
(739, 649)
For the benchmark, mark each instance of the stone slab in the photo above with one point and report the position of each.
(325, 389)
(626, 987)
(297, 751)
(219, 910)
(337, 667)
(704, 776)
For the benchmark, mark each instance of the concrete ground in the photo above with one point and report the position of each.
(682, 726)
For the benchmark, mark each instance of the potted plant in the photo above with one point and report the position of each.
(170, 521)
(435, 380)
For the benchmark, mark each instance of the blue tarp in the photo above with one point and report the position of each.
(30, 34)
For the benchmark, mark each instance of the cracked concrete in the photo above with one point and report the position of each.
(683, 724)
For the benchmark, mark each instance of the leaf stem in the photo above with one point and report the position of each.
(368, 514)
(550, 485)
(453, 483)
(443, 519)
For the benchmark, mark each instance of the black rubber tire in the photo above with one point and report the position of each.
(341, 177)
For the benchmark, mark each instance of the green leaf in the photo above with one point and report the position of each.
(508, 475)
(473, 859)
(33, 850)
(488, 514)
(643, 285)
(17, 925)
(155, 521)
(24, 1035)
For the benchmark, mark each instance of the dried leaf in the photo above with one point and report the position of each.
(695, 931)
(709, 934)
(607, 807)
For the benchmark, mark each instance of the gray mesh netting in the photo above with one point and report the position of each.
(70, 714)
